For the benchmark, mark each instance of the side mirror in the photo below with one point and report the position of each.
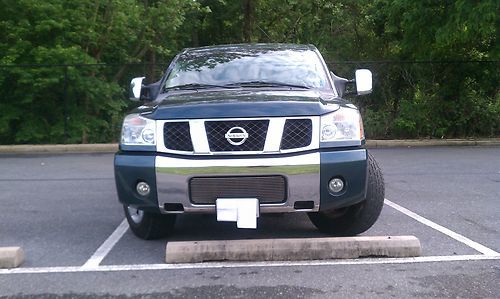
(136, 88)
(363, 81)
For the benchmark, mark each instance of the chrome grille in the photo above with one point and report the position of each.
(267, 189)
(297, 133)
(263, 135)
(177, 136)
(256, 129)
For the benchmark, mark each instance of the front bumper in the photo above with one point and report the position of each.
(307, 176)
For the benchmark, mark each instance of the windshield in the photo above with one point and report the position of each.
(249, 68)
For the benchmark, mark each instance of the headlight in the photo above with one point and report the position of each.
(138, 130)
(344, 124)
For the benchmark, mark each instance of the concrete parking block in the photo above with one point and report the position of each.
(11, 257)
(292, 249)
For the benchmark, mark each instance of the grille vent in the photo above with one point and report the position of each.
(297, 133)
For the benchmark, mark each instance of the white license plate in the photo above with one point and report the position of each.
(243, 211)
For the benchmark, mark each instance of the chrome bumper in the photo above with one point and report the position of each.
(302, 173)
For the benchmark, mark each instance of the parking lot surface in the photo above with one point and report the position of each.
(63, 210)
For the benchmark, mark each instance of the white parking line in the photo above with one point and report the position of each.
(93, 263)
(481, 248)
(106, 247)
(142, 267)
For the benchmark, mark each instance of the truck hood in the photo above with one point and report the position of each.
(241, 103)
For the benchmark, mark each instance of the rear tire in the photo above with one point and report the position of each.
(148, 225)
(353, 220)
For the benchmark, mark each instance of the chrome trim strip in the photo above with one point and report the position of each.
(160, 141)
(198, 136)
(302, 173)
(174, 164)
(274, 135)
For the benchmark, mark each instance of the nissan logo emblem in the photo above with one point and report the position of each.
(236, 136)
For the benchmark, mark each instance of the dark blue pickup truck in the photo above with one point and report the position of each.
(240, 130)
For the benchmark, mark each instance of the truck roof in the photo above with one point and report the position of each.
(249, 47)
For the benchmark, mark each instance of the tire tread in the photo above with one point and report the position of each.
(153, 225)
(359, 217)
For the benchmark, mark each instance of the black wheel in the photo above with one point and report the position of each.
(148, 225)
(353, 220)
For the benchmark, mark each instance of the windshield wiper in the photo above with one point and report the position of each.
(196, 86)
(266, 84)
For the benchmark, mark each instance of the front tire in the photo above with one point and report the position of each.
(148, 225)
(353, 220)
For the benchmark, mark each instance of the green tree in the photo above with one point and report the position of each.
(58, 32)
(409, 100)
(456, 99)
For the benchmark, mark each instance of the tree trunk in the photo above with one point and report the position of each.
(195, 37)
(248, 19)
(152, 66)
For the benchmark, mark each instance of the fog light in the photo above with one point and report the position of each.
(336, 185)
(143, 188)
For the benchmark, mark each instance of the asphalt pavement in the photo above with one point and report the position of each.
(61, 208)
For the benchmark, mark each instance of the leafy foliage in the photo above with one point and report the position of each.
(58, 32)
(410, 100)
